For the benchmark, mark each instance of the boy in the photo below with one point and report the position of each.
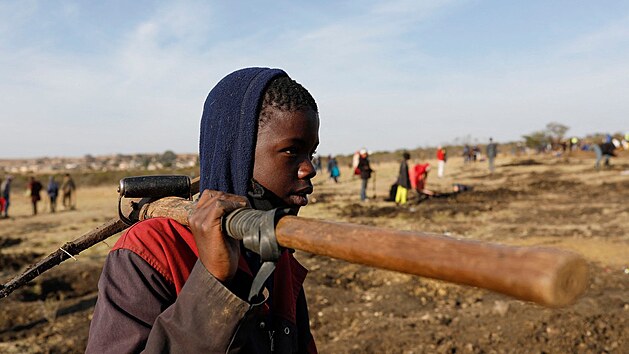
(259, 131)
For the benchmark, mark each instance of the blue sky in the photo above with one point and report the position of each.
(88, 77)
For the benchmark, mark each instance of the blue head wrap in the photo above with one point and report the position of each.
(229, 127)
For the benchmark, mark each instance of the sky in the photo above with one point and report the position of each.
(107, 77)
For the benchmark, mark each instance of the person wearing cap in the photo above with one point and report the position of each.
(365, 172)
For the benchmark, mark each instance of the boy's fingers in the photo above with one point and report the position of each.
(212, 206)
(209, 195)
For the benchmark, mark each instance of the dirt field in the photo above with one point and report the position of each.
(548, 201)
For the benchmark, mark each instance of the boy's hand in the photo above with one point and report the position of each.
(218, 252)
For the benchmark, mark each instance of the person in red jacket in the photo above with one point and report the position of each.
(441, 161)
(167, 288)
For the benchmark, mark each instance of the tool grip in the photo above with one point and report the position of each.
(156, 186)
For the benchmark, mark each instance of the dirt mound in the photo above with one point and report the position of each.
(527, 162)
(53, 309)
(541, 186)
(6, 242)
(17, 261)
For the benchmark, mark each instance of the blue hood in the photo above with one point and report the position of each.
(229, 128)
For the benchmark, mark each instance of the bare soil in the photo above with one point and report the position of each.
(534, 200)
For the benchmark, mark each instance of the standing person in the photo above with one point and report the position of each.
(168, 288)
(6, 194)
(333, 169)
(403, 181)
(365, 172)
(2, 200)
(53, 191)
(355, 160)
(574, 143)
(467, 153)
(316, 161)
(492, 151)
(441, 161)
(35, 187)
(67, 188)
(476, 153)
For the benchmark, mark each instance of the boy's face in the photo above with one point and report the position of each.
(283, 156)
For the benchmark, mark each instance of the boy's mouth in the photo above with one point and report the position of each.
(300, 197)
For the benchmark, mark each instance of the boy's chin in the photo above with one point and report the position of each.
(297, 200)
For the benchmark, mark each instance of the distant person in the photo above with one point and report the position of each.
(365, 171)
(492, 151)
(2, 200)
(456, 189)
(441, 161)
(316, 162)
(6, 194)
(53, 192)
(419, 176)
(605, 151)
(467, 154)
(35, 187)
(355, 160)
(574, 143)
(68, 188)
(403, 181)
(476, 153)
(333, 169)
(608, 138)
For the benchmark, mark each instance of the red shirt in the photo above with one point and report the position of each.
(441, 155)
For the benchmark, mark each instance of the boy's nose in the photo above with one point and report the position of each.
(306, 170)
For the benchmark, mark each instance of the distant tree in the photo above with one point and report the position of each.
(537, 140)
(168, 158)
(557, 130)
(143, 159)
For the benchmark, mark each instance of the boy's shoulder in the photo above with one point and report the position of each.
(166, 245)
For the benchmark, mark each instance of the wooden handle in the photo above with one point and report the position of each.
(547, 276)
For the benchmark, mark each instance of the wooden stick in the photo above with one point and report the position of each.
(67, 251)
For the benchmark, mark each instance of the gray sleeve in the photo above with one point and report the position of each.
(131, 294)
(202, 320)
(137, 310)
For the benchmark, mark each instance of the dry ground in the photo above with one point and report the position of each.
(557, 202)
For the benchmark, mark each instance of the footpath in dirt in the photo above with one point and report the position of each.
(540, 201)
